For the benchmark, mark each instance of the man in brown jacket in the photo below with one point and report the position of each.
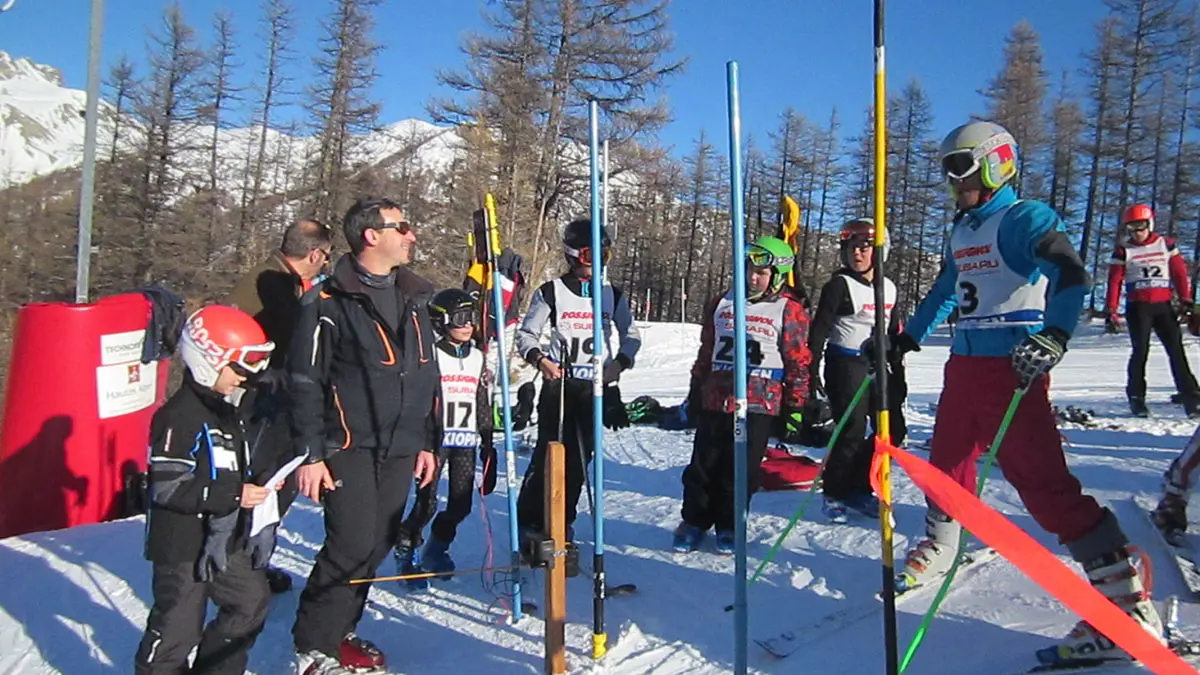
(271, 294)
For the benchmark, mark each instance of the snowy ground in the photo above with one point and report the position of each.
(75, 601)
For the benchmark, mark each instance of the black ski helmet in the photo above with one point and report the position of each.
(452, 308)
(577, 238)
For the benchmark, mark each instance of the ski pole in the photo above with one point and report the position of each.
(812, 489)
(963, 535)
(426, 575)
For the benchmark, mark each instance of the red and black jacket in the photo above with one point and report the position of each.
(1177, 273)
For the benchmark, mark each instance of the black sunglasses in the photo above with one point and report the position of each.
(403, 227)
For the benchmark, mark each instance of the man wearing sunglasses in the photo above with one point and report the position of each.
(1152, 270)
(363, 380)
(271, 294)
(1018, 285)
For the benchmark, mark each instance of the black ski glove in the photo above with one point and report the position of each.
(615, 416)
(487, 454)
(1038, 353)
(894, 348)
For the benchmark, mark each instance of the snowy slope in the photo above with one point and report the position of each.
(42, 131)
(82, 594)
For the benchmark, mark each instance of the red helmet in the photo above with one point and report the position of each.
(217, 336)
(1138, 213)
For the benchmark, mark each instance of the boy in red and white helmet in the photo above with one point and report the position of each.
(201, 493)
(1152, 271)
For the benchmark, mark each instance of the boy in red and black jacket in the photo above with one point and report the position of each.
(778, 361)
(1152, 271)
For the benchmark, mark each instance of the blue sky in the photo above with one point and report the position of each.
(810, 54)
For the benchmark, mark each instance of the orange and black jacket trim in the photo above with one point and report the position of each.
(355, 381)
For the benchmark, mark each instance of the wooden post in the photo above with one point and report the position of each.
(556, 573)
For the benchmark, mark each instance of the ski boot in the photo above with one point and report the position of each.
(835, 511)
(1118, 578)
(865, 503)
(1170, 516)
(725, 542)
(406, 563)
(318, 663)
(1191, 406)
(435, 557)
(361, 656)
(687, 538)
(278, 580)
(1137, 406)
(933, 556)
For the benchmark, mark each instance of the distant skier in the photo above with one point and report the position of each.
(777, 385)
(1018, 284)
(466, 421)
(1152, 270)
(566, 304)
(844, 321)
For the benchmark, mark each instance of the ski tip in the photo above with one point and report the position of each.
(622, 589)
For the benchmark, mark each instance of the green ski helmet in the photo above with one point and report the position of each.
(983, 147)
(774, 253)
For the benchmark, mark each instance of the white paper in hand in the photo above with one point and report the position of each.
(267, 513)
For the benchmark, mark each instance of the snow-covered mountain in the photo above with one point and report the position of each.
(42, 131)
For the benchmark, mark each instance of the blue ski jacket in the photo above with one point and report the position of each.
(1032, 241)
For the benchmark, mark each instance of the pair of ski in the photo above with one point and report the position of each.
(1186, 559)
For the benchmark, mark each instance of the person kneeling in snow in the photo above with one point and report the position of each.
(777, 384)
(198, 524)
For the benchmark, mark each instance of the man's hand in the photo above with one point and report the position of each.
(550, 369)
(312, 478)
(253, 495)
(426, 467)
(1038, 353)
(612, 372)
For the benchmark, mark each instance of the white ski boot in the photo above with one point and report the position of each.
(318, 663)
(933, 556)
(1119, 579)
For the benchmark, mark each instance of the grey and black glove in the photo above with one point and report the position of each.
(1038, 353)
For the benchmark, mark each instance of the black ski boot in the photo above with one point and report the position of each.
(278, 580)
(1170, 516)
(1137, 406)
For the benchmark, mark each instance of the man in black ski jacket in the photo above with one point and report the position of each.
(364, 383)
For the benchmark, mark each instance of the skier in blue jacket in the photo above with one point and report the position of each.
(1018, 285)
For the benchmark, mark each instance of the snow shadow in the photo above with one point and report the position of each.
(65, 622)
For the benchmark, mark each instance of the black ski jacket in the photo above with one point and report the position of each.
(354, 381)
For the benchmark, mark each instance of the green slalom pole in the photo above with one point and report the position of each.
(963, 535)
(837, 431)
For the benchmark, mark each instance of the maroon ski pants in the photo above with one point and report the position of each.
(977, 392)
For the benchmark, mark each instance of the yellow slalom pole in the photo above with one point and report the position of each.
(886, 521)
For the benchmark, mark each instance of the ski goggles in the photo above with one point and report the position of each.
(858, 241)
(960, 164)
(761, 257)
(460, 317)
(250, 360)
(1137, 225)
(584, 255)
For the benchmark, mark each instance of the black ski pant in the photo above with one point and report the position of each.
(176, 621)
(577, 430)
(461, 462)
(848, 469)
(708, 485)
(1143, 317)
(362, 521)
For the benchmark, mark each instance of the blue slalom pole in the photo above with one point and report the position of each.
(510, 453)
(740, 617)
(599, 350)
